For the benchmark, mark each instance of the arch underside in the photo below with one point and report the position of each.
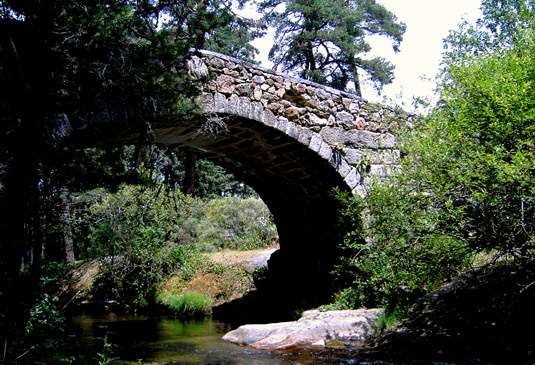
(294, 181)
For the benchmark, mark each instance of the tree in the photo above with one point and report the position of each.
(214, 26)
(482, 133)
(325, 40)
(503, 26)
(74, 55)
(465, 187)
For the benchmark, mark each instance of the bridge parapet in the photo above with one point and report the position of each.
(341, 127)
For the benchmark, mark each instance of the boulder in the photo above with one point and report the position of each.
(485, 313)
(315, 328)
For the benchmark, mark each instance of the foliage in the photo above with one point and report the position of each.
(325, 40)
(503, 26)
(186, 304)
(478, 171)
(75, 61)
(238, 223)
(83, 60)
(103, 50)
(476, 154)
(105, 356)
(214, 181)
(37, 327)
(143, 234)
(211, 180)
(344, 300)
(132, 232)
(464, 189)
(213, 25)
(396, 256)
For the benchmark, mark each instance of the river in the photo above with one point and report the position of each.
(164, 340)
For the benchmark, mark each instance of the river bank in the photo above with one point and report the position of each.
(484, 314)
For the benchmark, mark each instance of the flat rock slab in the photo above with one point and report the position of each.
(315, 328)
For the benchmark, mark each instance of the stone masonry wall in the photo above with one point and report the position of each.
(342, 128)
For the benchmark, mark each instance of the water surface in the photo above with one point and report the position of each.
(164, 340)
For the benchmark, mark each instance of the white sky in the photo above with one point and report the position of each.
(428, 22)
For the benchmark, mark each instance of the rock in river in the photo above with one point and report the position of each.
(315, 328)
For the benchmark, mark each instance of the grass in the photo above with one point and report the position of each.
(388, 319)
(186, 304)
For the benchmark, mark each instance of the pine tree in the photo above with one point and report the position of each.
(325, 40)
(212, 25)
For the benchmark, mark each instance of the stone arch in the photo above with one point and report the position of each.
(292, 140)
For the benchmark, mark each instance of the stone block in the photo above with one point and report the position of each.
(197, 68)
(280, 92)
(244, 90)
(305, 136)
(353, 155)
(257, 111)
(217, 63)
(233, 104)
(244, 106)
(291, 113)
(345, 119)
(300, 88)
(358, 138)
(352, 179)
(257, 93)
(275, 107)
(324, 106)
(282, 124)
(293, 130)
(322, 94)
(315, 120)
(333, 135)
(225, 84)
(220, 102)
(231, 65)
(207, 100)
(340, 164)
(315, 142)
(379, 170)
(325, 151)
(269, 118)
(258, 79)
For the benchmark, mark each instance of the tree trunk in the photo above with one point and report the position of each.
(36, 251)
(189, 177)
(67, 228)
(356, 80)
(200, 39)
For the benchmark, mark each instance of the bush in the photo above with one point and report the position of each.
(238, 223)
(396, 257)
(143, 235)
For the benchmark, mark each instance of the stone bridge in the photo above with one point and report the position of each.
(290, 139)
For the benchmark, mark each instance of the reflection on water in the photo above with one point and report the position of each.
(164, 340)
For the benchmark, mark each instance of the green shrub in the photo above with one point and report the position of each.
(237, 223)
(143, 235)
(395, 257)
